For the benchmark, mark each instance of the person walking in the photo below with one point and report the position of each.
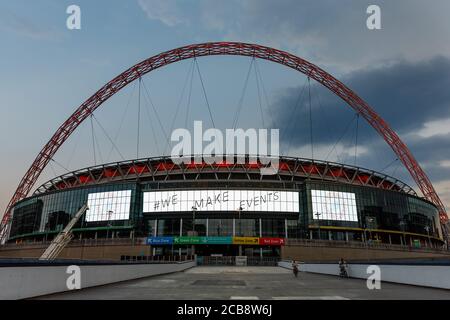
(343, 268)
(295, 268)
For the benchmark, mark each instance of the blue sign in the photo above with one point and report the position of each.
(160, 240)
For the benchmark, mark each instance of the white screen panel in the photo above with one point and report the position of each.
(334, 205)
(108, 206)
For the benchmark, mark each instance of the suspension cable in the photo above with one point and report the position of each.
(356, 137)
(204, 93)
(93, 139)
(138, 119)
(73, 151)
(241, 99)
(342, 136)
(127, 107)
(258, 71)
(259, 95)
(395, 169)
(191, 67)
(152, 128)
(109, 138)
(98, 148)
(293, 114)
(188, 103)
(390, 163)
(53, 170)
(324, 115)
(150, 101)
(310, 119)
(59, 164)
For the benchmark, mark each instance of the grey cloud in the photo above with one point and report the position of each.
(330, 33)
(404, 94)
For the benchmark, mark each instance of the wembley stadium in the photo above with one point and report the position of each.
(227, 208)
(158, 207)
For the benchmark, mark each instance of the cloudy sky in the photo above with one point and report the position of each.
(402, 71)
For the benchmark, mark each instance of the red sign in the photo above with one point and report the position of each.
(271, 241)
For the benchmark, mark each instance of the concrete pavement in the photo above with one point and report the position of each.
(252, 283)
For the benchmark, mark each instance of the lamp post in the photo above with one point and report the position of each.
(110, 212)
(402, 225)
(194, 209)
(427, 228)
(317, 214)
(239, 214)
(193, 227)
(240, 229)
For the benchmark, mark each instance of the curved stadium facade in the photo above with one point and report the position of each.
(234, 208)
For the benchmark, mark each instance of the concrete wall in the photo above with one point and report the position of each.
(436, 276)
(31, 281)
(89, 252)
(328, 253)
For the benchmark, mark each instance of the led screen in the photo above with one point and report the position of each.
(221, 200)
(333, 205)
(108, 206)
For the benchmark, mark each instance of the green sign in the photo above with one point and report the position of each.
(217, 240)
(202, 240)
(186, 240)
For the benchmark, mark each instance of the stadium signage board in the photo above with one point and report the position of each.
(221, 200)
(246, 240)
(159, 240)
(271, 241)
(215, 240)
(203, 240)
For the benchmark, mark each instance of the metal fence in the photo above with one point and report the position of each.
(168, 258)
(231, 261)
(361, 245)
(216, 261)
(263, 261)
(290, 241)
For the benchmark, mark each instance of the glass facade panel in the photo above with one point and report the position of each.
(378, 209)
(220, 227)
(361, 210)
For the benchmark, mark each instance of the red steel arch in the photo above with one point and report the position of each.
(223, 48)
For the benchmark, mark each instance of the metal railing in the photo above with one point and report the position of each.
(290, 241)
(157, 258)
(263, 261)
(216, 261)
(78, 242)
(362, 245)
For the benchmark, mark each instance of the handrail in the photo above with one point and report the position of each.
(361, 245)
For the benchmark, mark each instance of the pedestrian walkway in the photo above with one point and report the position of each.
(250, 283)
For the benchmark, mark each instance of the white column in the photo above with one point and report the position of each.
(207, 227)
(260, 230)
(285, 228)
(181, 233)
(234, 227)
(155, 233)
